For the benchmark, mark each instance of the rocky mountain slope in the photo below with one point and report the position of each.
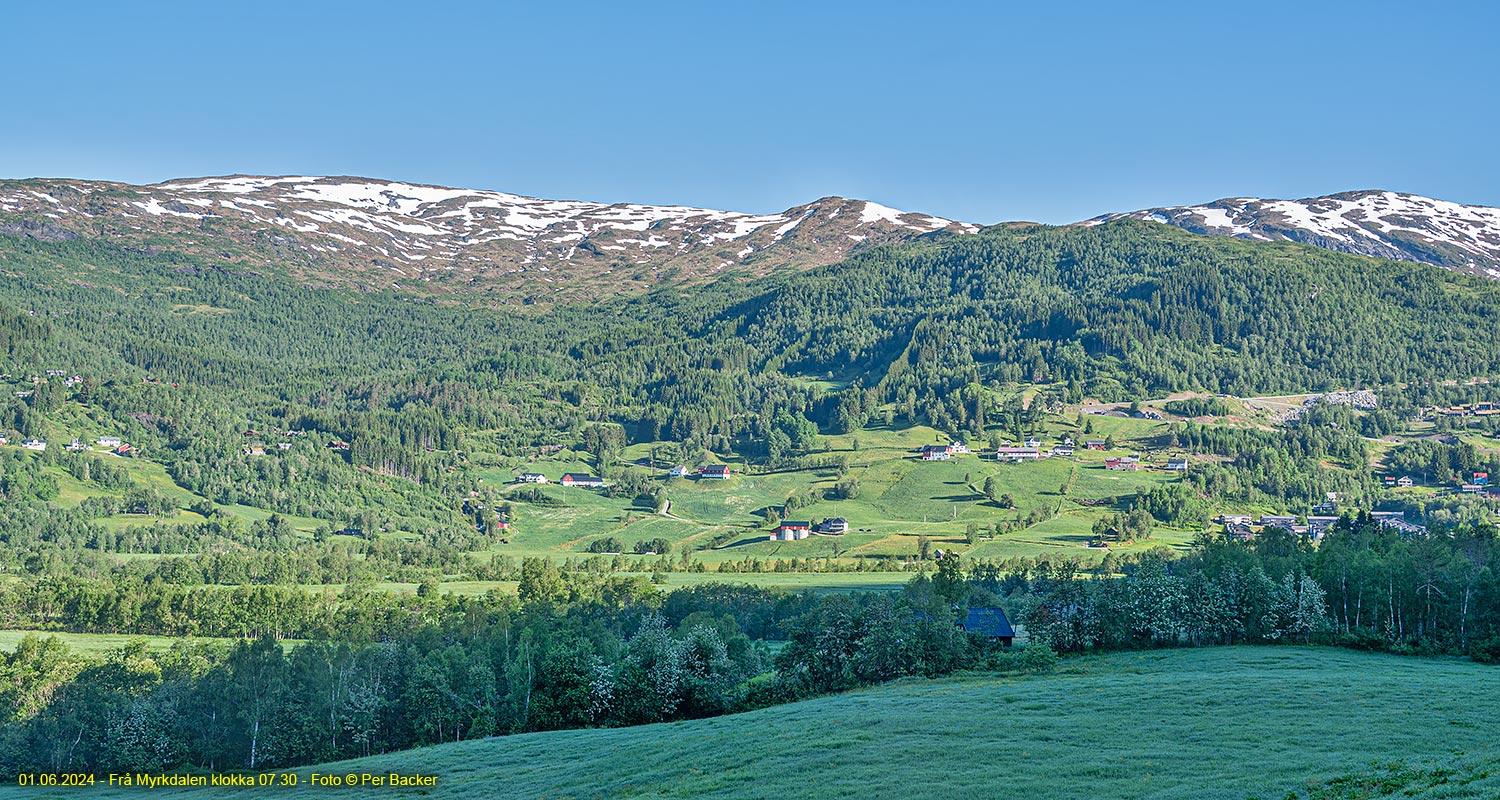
(372, 233)
(1404, 227)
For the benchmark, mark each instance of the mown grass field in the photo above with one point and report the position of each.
(901, 500)
(98, 644)
(1208, 724)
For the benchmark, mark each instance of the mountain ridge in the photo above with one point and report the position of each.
(370, 234)
(1370, 222)
(377, 233)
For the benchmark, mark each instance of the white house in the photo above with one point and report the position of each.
(109, 441)
(935, 452)
(1017, 453)
(532, 477)
(34, 444)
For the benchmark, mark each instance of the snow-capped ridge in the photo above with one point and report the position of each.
(1371, 222)
(431, 232)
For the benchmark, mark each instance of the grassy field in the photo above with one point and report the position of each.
(94, 644)
(1209, 724)
(901, 500)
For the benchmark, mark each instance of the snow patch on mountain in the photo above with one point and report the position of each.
(1384, 224)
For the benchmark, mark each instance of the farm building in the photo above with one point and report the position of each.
(1125, 464)
(936, 452)
(109, 441)
(1177, 465)
(34, 444)
(587, 481)
(715, 472)
(990, 623)
(1017, 454)
(790, 531)
(1095, 444)
(532, 477)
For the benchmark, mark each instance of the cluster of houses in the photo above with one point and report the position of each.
(580, 479)
(111, 443)
(1479, 483)
(1239, 526)
(714, 472)
(791, 531)
(1480, 409)
(720, 472)
(1031, 450)
(1027, 450)
(942, 452)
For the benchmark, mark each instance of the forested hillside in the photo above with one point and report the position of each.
(193, 363)
(196, 451)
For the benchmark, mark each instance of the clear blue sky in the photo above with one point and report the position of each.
(984, 112)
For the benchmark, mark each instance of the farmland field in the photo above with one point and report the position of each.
(1167, 725)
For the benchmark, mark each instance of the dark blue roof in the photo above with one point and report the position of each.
(987, 622)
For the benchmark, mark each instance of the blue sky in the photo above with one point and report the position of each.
(983, 112)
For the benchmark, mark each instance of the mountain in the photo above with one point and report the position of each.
(373, 233)
(1404, 227)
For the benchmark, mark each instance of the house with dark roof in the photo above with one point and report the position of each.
(576, 479)
(714, 471)
(833, 525)
(990, 623)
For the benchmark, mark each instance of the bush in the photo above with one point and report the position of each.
(1037, 658)
(1363, 639)
(1486, 651)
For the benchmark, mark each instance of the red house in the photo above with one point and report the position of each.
(790, 531)
(590, 481)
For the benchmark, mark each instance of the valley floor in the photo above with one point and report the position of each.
(1241, 722)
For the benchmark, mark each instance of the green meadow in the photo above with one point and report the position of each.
(1205, 724)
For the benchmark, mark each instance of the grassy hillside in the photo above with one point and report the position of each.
(1215, 723)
